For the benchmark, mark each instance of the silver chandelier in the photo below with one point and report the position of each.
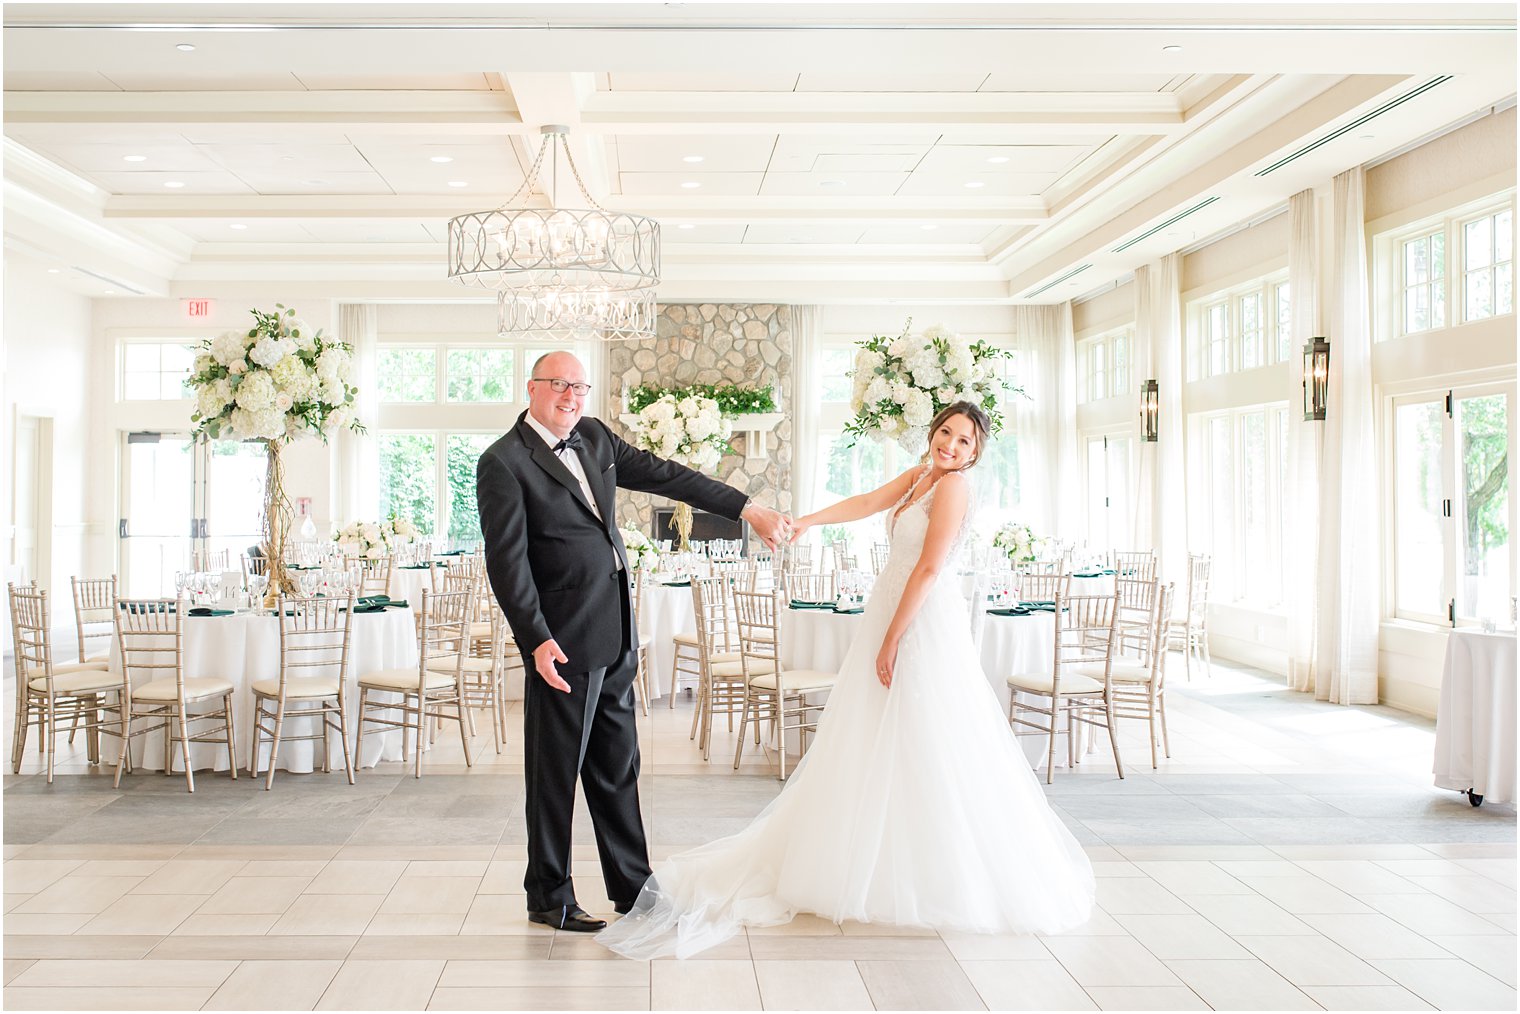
(560, 272)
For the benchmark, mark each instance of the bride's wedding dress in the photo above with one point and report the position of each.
(913, 805)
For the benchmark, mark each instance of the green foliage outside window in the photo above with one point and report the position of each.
(408, 472)
(463, 451)
(731, 400)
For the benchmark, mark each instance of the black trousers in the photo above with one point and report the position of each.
(590, 733)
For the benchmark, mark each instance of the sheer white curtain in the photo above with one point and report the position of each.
(807, 395)
(1346, 632)
(1300, 497)
(1143, 365)
(1045, 424)
(358, 494)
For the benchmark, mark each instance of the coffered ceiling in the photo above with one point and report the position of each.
(923, 152)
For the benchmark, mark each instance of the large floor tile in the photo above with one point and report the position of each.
(1313, 961)
(698, 985)
(255, 896)
(327, 915)
(812, 985)
(1188, 935)
(919, 985)
(145, 913)
(1430, 915)
(1449, 985)
(540, 998)
(1375, 936)
(152, 998)
(382, 985)
(1241, 985)
(1146, 998)
(126, 973)
(1366, 998)
(1110, 961)
(275, 985)
(1240, 915)
(1043, 985)
(1495, 955)
(77, 894)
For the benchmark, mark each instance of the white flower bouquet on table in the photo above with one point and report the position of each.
(643, 554)
(278, 381)
(1017, 542)
(690, 430)
(373, 539)
(902, 383)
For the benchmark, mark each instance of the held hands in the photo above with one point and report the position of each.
(773, 527)
(544, 657)
(799, 528)
(886, 662)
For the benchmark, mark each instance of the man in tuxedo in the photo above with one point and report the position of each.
(546, 492)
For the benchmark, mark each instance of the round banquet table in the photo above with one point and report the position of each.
(245, 647)
(818, 639)
(1475, 721)
(665, 611)
(407, 584)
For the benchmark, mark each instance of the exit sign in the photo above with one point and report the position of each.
(196, 309)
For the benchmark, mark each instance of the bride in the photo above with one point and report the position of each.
(914, 805)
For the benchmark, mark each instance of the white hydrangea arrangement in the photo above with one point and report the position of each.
(278, 381)
(642, 552)
(373, 539)
(1017, 542)
(902, 383)
(689, 430)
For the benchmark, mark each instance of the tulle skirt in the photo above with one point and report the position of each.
(914, 806)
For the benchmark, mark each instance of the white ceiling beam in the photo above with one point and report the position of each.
(542, 99)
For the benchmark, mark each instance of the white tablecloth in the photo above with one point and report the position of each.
(407, 584)
(246, 647)
(664, 612)
(1475, 723)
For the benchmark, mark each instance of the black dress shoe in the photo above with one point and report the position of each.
(569, 917)
(623, 909)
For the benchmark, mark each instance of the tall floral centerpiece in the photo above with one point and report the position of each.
(902, 383)
(642, 553)
(280, 381)
(690, 430)
(1018, 542)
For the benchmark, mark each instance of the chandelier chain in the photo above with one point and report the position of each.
(526, 189)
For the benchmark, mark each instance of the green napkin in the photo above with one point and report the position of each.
(1048, 607)
(414, 566)
(1009, 611)
(849, 612)
(208, 611)
(394, 604)
(369, 607)
(800, 604)
(676, 584)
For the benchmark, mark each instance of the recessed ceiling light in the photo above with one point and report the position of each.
(998, 159)
(831, 183)
(440, 159)
(459, 183)
(1171, 49)
(237, 225)
(928, 228)
(53, 271)
(973, 184)
(110, 292)
(690, 185)
(134, 158)
(316, 183)
(173, 184)
(685, 225)
(185, 47)
(692, 158)
(1368, 137)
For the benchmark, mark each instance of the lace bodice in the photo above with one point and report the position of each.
(907, 526)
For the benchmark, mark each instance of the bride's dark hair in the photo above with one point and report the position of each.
(981, 426)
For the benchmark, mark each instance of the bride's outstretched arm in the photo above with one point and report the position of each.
(949, 509)
(862, 505)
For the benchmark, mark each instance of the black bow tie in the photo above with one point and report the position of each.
(572, 442)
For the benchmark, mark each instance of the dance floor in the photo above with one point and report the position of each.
(1290, 855)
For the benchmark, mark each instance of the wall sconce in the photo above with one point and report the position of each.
(1316, 379)
(1150, 411)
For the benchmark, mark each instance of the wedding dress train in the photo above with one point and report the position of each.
(913, 806)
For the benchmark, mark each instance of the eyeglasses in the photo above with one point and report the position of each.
(559, 386)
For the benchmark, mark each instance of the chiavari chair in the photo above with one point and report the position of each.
(771, 691)
(315, 636)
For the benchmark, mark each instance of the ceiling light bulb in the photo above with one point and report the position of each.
(440, 159)
(459, 183)
(685, 225)
(110, 292)
(973, 184)
(692, 158)
(998, 159)
(52, 271)
(173, 184)
(690, 185)
(185, 47)
(134, 158)
(1171, 49)
(237, 225)
(928, 228)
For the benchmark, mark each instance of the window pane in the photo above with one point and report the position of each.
(1119, 372)
(1483, 584)
(1480, 296)
(1098, 381)
(1417, 309)
(847, 471)
(1097, 495)
(1119, 521)
(1437, 304)
(176, 358)
(408, 479)
(1504, 289)
(1416, 261)
(837, 384)
(1438, 256)
(1418, 554)
(1476, 239)
(480, 375)
(1221, 459)
(463, 451)
(408, 374)
(1504, 236)
(140, 357)
(141, 387)
(1284, 322)
(1257, 581)
(1251, 324)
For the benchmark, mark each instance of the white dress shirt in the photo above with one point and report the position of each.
(572, 461)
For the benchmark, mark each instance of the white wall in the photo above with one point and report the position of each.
(48, 349)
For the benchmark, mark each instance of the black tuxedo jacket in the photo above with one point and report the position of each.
(549, 559)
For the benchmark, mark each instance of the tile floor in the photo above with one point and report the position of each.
(1291, 855)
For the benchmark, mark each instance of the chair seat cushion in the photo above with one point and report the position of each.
(734, 668)
(688, 639)
(480, 628)
(300, 689)
(404, 679)
(795, 680)
(196, 688)
(60, 668)
(80, 681)
(1125, 670)
(1071, 683)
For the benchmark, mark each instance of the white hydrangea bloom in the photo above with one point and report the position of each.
(255, 392)
(919, 409)
(269, 351)
(228, 347)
